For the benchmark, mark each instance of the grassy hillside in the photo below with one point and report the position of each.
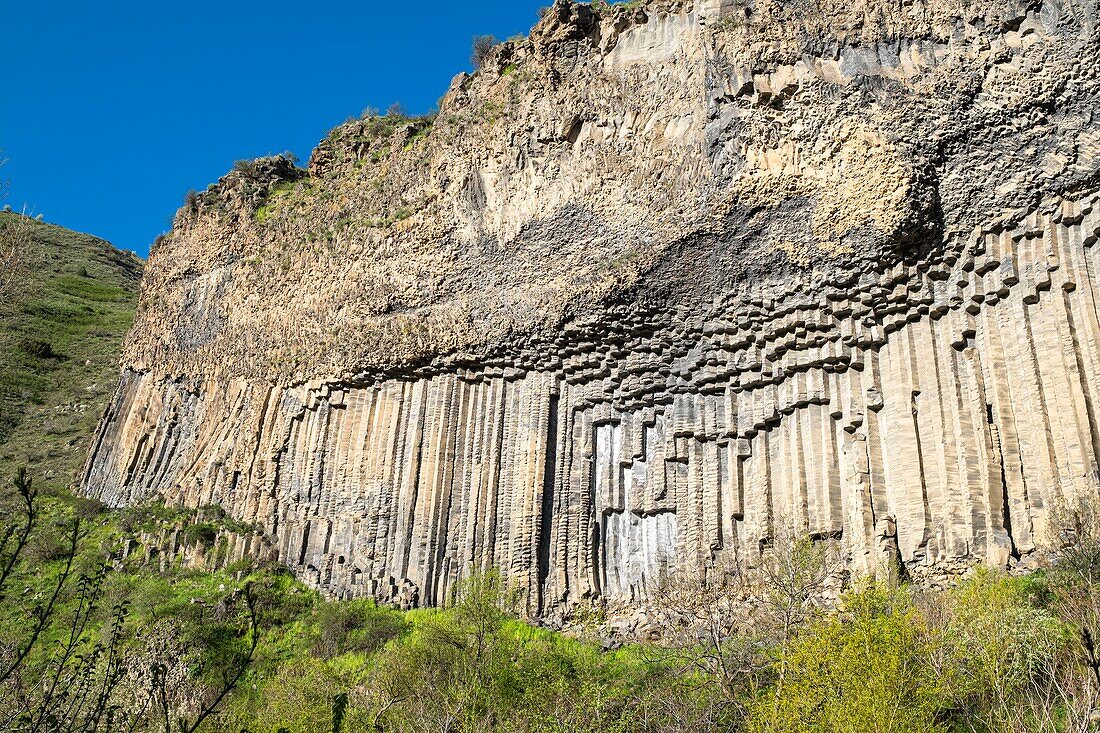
(59, 342)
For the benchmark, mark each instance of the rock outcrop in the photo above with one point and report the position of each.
(656, 279)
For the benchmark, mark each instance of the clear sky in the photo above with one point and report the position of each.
(110, 111)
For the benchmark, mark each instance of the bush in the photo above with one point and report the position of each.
(37, 348)
(298, 699)
(999, 643)
(355, 626)
(200, 533)
(482, 47)
(247, 167)
(192, 198)
(862, 669)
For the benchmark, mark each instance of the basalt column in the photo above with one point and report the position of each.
(956, 402)
(660, 282)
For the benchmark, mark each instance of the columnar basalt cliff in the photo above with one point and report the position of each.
(654, 281)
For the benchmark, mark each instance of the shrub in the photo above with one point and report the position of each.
(201, 533)
(858, 670)
(247, 167)
(1006, 641)
(482, 47)
(456, 665)
(37, 348)
(192, 199)
(997, 648)
(297, 699)
(355, 626)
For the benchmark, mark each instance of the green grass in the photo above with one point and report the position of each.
(79, 298)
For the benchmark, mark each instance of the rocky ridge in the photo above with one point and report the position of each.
(656, 280)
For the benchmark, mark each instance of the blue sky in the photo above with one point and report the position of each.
(111, 110)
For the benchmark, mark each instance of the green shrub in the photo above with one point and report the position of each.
(998, 649)
(200, 533)
(1002, 641)
(298, 698)
(358, 626)
(37, 348)
(863, 669)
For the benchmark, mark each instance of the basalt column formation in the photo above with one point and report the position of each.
(658, 282)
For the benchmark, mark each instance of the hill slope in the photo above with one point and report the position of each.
(59, 344)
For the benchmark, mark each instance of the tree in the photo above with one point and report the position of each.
(793, 578)
(1073, 587)
(1002, 660)
(719, 625)
(455, 669)
(861, 669)
(482, 47)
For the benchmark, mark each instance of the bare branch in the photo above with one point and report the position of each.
(16, 230)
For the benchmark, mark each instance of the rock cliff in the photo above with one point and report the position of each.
(656, 279)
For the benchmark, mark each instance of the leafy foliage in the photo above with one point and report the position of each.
(858, 670)
(93, 640)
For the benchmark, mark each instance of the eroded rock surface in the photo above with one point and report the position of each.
(655, 279)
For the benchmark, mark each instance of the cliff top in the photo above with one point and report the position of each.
(646, 155)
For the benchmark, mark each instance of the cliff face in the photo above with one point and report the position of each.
(654, 282)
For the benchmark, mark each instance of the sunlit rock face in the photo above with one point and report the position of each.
(655, 283)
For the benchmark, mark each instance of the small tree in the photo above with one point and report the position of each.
(793, 578)
(454, 667)
(482, 47)
(857, 670)
(704, 631)
(716, 627)
(1073, 585)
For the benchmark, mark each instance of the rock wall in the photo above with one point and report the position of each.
(674, 276)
